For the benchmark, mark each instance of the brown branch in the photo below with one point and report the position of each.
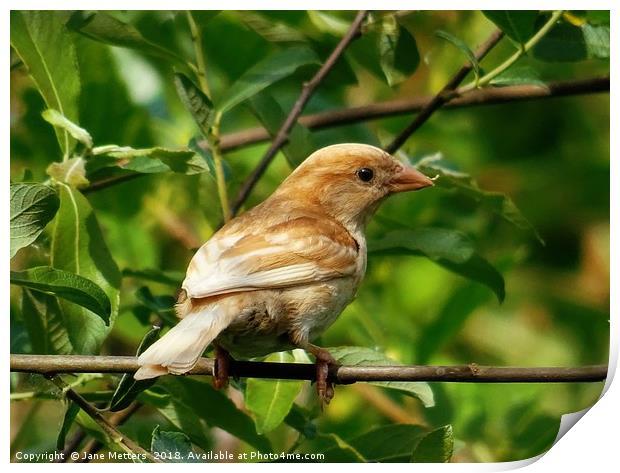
(391, 108)
(306, 93)
(110, 430)
(472, 373)
(347, 116)
(444, 94)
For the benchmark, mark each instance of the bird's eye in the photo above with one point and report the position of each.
(365, 174)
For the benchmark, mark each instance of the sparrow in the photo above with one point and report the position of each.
(277, 276)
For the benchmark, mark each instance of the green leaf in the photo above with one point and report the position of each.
(390, 443)
(335, 449)
(563, 43)
(172, 447)
(45, 324)
(32, 207)
(104, 28)
(460, 44)
(128, 388)
(328, 23)
(47, 49)
(149, 160)
(198, 104)
(272, 31)
(435, 447)
(67, 421)
(57, 119)
(78, 246)
(215, 408)
(448, 248)
(398, 51)
(183, 418)
(271, 400)
(517, 24)
(597, 40)
(170, 278)
(67, 286)
(273, 68)
(524, 75)
(465, 185)
(72, 172)
(361, 356)
(300, 143)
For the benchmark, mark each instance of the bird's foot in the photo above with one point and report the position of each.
(221, 368)
(324, 387)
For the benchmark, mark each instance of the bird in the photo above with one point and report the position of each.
(277, 276)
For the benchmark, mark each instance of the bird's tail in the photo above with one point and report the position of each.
(179, 350)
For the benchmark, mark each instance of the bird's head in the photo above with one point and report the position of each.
(349, 181)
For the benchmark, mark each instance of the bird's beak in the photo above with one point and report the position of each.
(409, 179)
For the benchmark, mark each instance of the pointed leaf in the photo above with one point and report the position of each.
(390, 443)
(47, 49)
(128, 388)
(361, 356)
(78, 246)
(170, 278)
(183, 418)
(335, 449)
(172, 447)
(57, 119)
(448, 248)
(45, 324)
(273, 68)
(460, 44)
(435, 447)
(104, 28)
(72, 172)
(32, 207)
(149, 160)
(597, 40)
(524, 75)
(67, 422)
(517, 24)
(67, 286)
(271, 400)
(194, 99)
(273, 31)
(300, 143)
(398, 51)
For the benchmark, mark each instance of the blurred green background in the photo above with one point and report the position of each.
(550, 156)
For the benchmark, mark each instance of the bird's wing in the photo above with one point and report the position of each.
(296, 252)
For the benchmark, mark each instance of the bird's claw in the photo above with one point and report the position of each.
(324, 387)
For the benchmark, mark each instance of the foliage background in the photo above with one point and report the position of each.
(551, 157)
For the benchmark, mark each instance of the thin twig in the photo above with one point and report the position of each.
(116, 419)
(445, 94)
(347, 116)
(472, 373)
(124, 442)
(306, 93)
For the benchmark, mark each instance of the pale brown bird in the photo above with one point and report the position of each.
(277, 276)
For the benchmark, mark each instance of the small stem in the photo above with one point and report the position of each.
(117, 437)
(523, 50)
(216, 151)
(201, 69)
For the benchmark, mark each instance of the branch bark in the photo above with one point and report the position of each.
(472, 373)
(306, 92)
(391, 108)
